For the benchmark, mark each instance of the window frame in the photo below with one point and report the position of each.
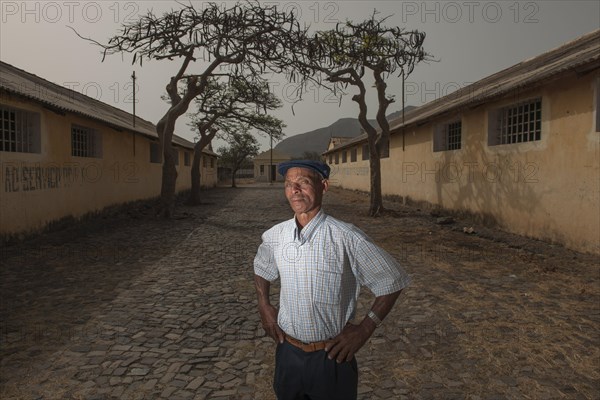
(155, 153)
(443, 133)
(85, 141)
(506, 125)
(366, 155)
(25, 134)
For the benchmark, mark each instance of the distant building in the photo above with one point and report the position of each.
(63, 154)
(337, 141)
(264, 170)
(519, 149)
(336, 157)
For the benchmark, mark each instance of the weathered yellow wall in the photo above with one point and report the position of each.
(40, 188)
(351, 175)
(547, 189)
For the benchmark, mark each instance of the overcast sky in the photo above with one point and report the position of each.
(470, 40)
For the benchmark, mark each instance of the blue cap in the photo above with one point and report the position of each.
(318, 166)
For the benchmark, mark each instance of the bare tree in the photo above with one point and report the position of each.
(223, 108)
(345, 53)
(242, 145)
(246, 39)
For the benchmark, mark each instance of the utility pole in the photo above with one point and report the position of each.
(271, 162)
(133, 77)
(403, 107)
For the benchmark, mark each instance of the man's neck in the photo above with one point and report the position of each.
(304, 218)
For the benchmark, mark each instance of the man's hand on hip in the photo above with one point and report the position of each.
(268, 316)
(348, 342)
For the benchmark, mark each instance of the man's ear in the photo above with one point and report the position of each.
(325, 183)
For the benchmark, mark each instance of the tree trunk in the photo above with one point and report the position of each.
(205, 139)
(376, 203)
(165, 129)
(233, 179)
(195, 195)
(381, 141)
(169, 180)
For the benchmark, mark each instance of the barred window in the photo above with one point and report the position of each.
(365, 151)
(19, 130)
(353, 154)
(337, 158)
(205, 161)
(212, 162)
(85, 142)
(344, 156)
(331, 159)
(155, 153)
(186, 158)
(517, 123)
(262, 169)
(385, 149)
(447, 136)
(176, 156)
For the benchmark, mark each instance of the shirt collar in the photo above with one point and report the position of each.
(308, 231)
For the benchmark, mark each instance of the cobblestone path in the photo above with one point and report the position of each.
(132, 307)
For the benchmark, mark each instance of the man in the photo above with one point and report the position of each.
(321, 263)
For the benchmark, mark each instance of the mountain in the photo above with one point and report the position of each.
(318, 139)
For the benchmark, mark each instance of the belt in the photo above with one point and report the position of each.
(306, 347)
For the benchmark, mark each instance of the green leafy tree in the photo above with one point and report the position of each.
(241, 146)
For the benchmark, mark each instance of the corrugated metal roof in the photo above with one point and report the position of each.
(17, 81)
(581, 54)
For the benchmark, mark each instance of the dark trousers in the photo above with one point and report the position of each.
(313, 376)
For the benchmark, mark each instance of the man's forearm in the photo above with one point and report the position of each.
(262, 290)
(384, 304)
(268, 313)
(381, 307)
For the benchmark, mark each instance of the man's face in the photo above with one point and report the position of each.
(304, 189)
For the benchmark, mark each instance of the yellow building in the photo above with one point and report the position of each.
(265, 165)
(63, 154)
(518, 149)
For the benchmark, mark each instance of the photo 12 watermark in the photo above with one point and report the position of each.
(292, 92)
(452, 12)
(311, 12)
(111, 92)
(470, 171)
(69, 12)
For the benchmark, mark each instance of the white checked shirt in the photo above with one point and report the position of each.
(321, 268)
